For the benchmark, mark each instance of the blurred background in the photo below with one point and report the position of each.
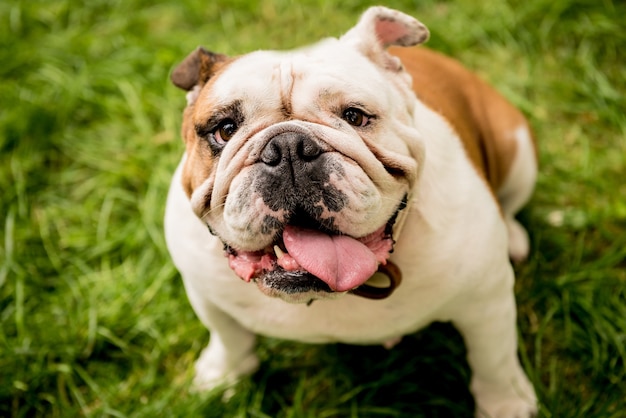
(93, 317)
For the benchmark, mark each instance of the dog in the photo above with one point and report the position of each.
(352, 191)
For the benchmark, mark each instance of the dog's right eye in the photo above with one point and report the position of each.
(355, 117)
(225, 131)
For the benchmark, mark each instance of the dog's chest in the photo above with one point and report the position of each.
(348, 319)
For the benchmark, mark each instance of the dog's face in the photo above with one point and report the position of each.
(301, 161)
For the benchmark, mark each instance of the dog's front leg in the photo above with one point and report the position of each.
(230, 352)
(500, 386)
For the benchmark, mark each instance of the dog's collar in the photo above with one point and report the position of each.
(401, 217)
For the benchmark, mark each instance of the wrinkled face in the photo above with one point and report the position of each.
(300, 163)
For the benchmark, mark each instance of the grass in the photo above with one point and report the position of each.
(94, 319)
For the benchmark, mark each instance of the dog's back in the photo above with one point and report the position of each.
(495, 134)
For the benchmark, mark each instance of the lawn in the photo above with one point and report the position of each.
(94, 318)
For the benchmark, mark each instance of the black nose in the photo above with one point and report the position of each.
(293, 173)
(290, 149)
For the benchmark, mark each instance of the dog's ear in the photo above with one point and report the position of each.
(196, 68)
(380, 28)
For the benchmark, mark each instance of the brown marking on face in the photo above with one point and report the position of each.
(200, 160)
(481, 116)
(197, 167)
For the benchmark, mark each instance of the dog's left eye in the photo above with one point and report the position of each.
(225, 130)
(355, 117)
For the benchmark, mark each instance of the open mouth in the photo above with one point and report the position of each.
(308, 258)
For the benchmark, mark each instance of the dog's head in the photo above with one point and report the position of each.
(300, 161)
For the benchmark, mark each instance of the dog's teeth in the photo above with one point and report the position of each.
(279, 253)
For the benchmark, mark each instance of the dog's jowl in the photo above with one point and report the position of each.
(352, 191)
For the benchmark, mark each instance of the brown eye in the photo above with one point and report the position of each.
(355, 117)
(225, 130)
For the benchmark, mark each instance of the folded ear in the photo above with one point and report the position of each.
(196, 68)
(380, 28)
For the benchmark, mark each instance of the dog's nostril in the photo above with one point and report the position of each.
(272, 154)
(291, 147)
(308, 150)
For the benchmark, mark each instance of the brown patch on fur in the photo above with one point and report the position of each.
(200, 68)
(481, 116)
(197, 167)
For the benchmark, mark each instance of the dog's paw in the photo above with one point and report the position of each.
(214, 371)
(519, 244)
(515, 401)
(507, 408)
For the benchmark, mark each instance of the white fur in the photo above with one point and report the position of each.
(452, 251)
(516, 191)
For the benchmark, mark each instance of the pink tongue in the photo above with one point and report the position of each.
(340, 261)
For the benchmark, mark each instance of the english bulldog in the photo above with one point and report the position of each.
(352, 191)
